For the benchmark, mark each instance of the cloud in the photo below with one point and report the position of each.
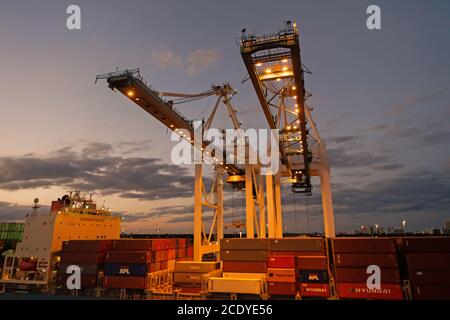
(195, 63)
(132, 177)
(14, 212)
(341, 158)
(166, 58)
(341, 139)
(200, 60)
(411, 101)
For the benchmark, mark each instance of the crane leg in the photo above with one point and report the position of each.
(327, 200)
(279, 214)
(249, 203)
(198, 213)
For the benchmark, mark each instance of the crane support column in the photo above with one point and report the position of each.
(279, 214)
(327, 200)
(249, 203)
(262, 210)
(198, 213)
(219, 202)
(272, 221)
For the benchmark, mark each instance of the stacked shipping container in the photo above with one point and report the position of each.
(308, 258)
(89, 255)
(427, 266)
(245, 258)
(130, 261)
(188, 275)
(352, 257)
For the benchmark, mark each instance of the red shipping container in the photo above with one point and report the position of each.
(181, 253)
(430, 261)
(426, 245)
(314, 290)
(189, 251)
(133, 245)
(163, 265)
(156, 244)
(82, 258)
(360, 291)
(87, 281)
(278, 261)
(125, 282)
(86, 246)
(281, 289)
(297, 253)
(281, 275)
(312, 263)
(181, 243)
(173, 243)
(429, 277)
(155, 266)
(383, 260)
(27, 265)
(138, 257)
(165, 244)
(171, 254)
(364, 245)
(160, 255)
(359, 275)
(297, 244)
(244, 266)
(431, 292)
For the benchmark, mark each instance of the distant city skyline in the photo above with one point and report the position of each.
(381, 101)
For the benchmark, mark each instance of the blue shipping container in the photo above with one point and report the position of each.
(116, 269)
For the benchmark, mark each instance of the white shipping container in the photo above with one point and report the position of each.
(242, 275)
(235, 285)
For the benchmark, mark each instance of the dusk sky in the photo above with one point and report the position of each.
(381, 101)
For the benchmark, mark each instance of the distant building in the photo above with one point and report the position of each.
(447, 227)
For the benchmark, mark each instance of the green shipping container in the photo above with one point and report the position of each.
(11, 231)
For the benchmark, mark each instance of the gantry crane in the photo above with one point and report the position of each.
(131, 84)
(275, 69)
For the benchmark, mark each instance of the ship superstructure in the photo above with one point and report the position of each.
(72, 217)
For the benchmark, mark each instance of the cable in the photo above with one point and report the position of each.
(295, 213)
(307, 214)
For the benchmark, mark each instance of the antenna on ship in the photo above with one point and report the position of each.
(35, 206)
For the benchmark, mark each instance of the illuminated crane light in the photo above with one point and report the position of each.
(297, 110)
(130, 93)
(278, 79)
(296, 104)
(284, 60)
(268, 70)
(294, 87)
(259, 64)
(172, 126)
(285, 68)
(294, 97)
(137, 99)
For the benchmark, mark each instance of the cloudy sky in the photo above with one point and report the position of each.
(381, 101)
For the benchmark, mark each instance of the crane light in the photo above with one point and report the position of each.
(259, 64)
(278, 79)
(130, 93)
(284, 60)
(268, 70)
(285, 68)
(294, 87)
